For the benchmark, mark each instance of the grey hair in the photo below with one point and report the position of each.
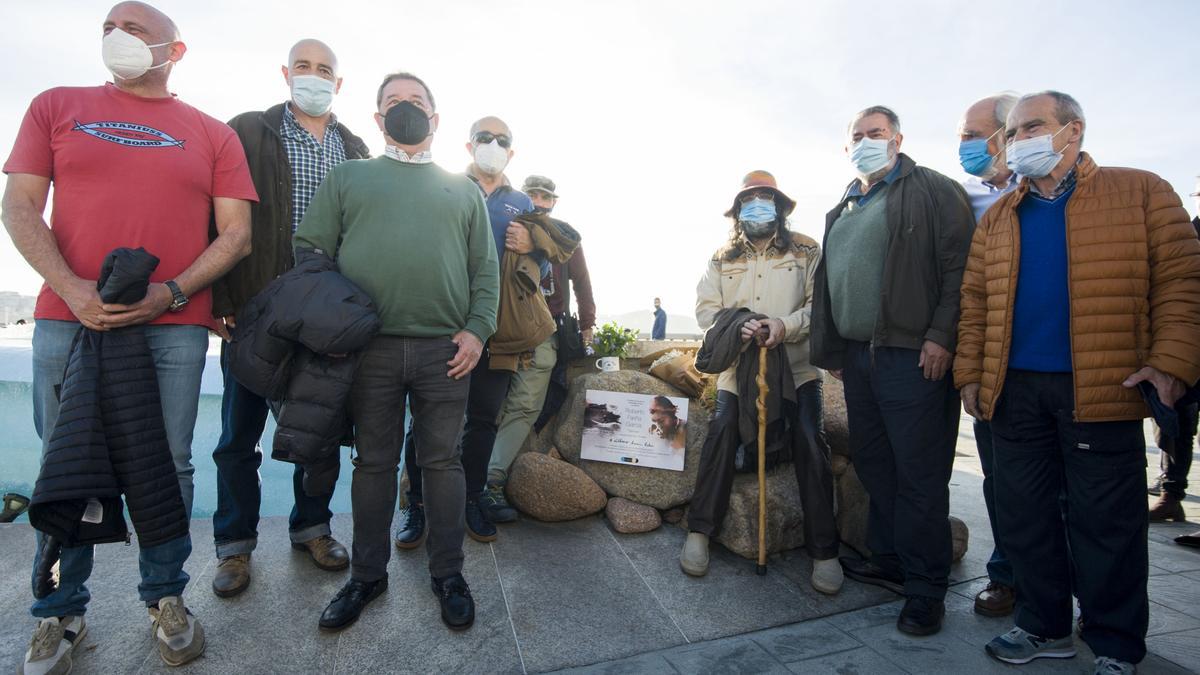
(1066, 108)
(1005, 102)
(892, 117)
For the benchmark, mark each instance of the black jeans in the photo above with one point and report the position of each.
(998, 567)
(1176, 458)
(394, 369)
(903, 429)
(239, 490)
(1042, 453)
(810, 457)
(486, 398)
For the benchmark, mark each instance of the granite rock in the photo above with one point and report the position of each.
(552, 490)
(960, 535)
(629, 517)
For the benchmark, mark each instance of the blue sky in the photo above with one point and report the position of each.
(648, 113)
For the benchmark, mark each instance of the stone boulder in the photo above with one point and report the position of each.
(837, 431)
(853, 505)
(660, 488)
(629, 517)
(960, 534)
(785, 517)
(552, 490)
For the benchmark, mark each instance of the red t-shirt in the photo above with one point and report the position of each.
(129, 171)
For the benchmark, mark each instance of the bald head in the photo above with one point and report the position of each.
(143, 18)
(494, 125)
(314, 54)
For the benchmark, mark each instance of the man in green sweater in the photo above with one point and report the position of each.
(416, 238)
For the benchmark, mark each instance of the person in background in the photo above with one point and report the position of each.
(1080, 301)
(659, 331)
(981, 154)
(885, 320)
(416, 239)
(290, 147)
(132, 166)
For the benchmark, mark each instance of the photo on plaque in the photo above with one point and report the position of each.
(635, 429)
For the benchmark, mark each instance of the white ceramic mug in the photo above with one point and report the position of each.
(608, 364)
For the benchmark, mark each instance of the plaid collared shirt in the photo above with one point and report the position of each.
(310, 160)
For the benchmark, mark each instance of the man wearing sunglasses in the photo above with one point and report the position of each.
(490, 146)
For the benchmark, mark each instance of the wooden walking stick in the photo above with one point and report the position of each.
(762, 461)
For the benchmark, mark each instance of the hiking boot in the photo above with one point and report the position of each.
(179, 635)
(479, 527)
(921, 615)
(1155, 488)
(495, 504)
(995, 600)
(349, 603)
(454, 596)
(1168, 507)
(694, 558)
(827, 576)
(861, 569)
(1106, 665)
(233, 575)
(325, 552)
(411, 532)
(54, 640)
(1020, 646)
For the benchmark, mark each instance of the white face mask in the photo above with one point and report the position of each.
(126, 56)
(491, 158)
(312, 94)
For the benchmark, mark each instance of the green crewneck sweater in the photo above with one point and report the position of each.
(855, 250)
(416, 238)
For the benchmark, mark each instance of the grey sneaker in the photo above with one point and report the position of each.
(53, 641)
(180, 636)
(1020, 646)
(496, 504)
(1106, 665)
(1155, 488)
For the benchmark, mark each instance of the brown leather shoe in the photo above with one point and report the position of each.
(233, 575)
(995, 600)
(326, 553)
(1168, 507)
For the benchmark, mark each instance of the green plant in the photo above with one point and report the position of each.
(613, 340)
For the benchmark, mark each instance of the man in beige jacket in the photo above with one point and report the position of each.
(767, 268)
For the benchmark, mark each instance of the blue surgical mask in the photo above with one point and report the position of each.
(757, 211)
(870, 155)
(974, 158)
(312, 94)
(1034, 157)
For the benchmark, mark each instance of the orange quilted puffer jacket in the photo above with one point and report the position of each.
(1134, 283)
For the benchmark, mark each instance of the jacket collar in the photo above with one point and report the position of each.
(272, 118)
(1085, 168)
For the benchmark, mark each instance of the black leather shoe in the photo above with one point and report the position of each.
(458, 609)
(411, 532)
(479, 527)
(921, 616)
(349, 603)
(861, 569)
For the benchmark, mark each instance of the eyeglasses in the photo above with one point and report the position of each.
(485, 137)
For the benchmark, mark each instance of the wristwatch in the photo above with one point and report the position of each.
(179, 300)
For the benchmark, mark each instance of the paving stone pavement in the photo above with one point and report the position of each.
(578, 597)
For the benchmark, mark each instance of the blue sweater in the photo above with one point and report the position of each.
(1041, 326)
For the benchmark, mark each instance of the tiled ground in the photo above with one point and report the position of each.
(575, 595)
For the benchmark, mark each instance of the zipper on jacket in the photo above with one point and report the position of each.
(1070, 317)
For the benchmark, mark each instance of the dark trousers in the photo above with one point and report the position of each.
(486, 398)
(1100, 467)
(239, 490)
(1176, 458)
(998, 567)
(903, 429)
(810, 457)
(392, 370)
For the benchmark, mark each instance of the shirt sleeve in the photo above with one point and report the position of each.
(581, 282)
(483, 270)
(797, 325)
(321, 227)
(708, 296)
(231, 173)
(32, 152)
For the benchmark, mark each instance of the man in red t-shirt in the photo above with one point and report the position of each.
(131, 166)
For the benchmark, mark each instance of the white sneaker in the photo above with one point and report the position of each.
(53, 642)
(694, 558)
(827, 576)
(1106, 665)
(180, 636)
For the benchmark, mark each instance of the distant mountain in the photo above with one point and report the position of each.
(677, 324)
(14, 306)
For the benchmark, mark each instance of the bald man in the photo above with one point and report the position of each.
(290, 148)
(490, 147)
(132, 166)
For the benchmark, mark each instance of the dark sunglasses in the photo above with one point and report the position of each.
(485, 137)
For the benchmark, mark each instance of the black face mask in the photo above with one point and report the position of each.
(406, 123)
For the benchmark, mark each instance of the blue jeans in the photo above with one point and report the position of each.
(239, 489)
(179, 360)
